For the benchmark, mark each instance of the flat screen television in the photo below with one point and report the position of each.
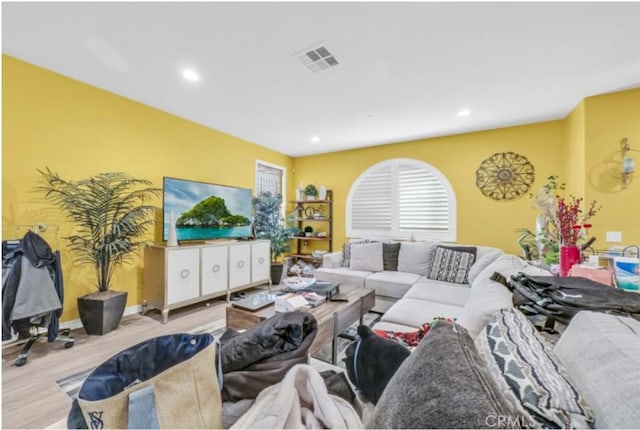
(205, 211)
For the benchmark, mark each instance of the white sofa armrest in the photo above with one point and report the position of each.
(332, 260)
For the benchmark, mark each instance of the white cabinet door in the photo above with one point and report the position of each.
(214, 269)
(239, 265)
(260, 261)
(183, 274)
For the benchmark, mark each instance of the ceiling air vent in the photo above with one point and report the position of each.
(317, 59)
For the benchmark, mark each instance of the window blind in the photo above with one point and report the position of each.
(268, 179)
(401, 198)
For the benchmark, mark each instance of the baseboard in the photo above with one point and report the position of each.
(71, 325)
(75, 324)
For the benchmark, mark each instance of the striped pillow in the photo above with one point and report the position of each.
(452, 264)
(526, 370)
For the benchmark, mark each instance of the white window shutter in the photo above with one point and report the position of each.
(402, 198)
(423, 203)
(371, 203)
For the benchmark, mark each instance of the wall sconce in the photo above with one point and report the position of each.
(628, 163)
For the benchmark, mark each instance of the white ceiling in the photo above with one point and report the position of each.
(406, 69)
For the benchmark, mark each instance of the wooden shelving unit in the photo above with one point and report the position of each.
(307, 218)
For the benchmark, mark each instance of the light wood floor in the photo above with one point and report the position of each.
(31, 399)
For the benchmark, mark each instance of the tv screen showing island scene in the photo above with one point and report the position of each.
(205, 211)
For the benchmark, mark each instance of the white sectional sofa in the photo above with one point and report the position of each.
(421, 287)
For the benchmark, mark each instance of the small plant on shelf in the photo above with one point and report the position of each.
(310, 191)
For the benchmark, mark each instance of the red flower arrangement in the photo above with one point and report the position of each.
(570, 222)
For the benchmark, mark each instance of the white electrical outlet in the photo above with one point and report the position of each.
(614, 236)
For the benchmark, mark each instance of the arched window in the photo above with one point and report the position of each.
(404, 199)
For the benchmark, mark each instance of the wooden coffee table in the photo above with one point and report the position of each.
(333, 316)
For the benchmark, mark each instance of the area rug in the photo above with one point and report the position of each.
(71, 384)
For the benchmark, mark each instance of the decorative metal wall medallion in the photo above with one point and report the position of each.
(505, 176)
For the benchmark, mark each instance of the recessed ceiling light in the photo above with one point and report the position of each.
(315, 139)
(190, 75)
(464, 112)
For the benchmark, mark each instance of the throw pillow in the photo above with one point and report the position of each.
(452, 263)
(443, 384)
(390, 252)
(346, 250)
(366, 256)
(527, 371)
(414, 257)
(366, 371)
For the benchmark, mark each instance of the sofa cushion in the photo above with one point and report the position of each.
(366, 256)
(391, 284)
(482, 261)
(341, 275)
(507, 265)
(439, 292)
(443, 384)
(414, 312)
(390, 252)
(346, 251)
(602, 355)
(526, 369)
(452, 263)
(395, 327)
(488, 296)
(414, 257)
(485, 300)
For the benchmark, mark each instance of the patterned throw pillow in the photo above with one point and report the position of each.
(526, 369)
(452, 263)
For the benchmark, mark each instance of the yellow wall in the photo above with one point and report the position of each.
(78, 130)
(480, 220)
(609, 118)
(574, 153)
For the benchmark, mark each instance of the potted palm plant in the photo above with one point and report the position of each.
(270, 224)
(111, 214)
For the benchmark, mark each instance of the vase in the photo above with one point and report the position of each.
(569, 255)
(172, 237)
(322, 192)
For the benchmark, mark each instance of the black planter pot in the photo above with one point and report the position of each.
(101, 313)
(276, 273)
